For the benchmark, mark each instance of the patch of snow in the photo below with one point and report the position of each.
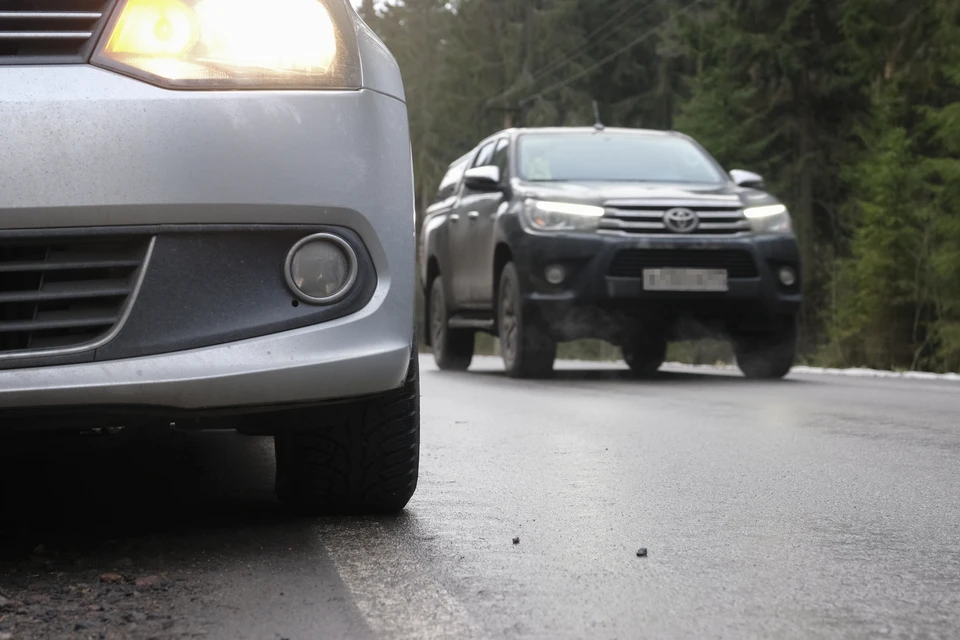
(876, 373)
(729, 368)
(853, 372)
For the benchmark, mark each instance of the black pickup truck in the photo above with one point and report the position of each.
(635, 237)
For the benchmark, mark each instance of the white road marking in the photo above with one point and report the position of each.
(392, 588)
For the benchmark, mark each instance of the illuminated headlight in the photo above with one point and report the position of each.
(233, 44)
(561, 216)
(321, 269)
(772, 218)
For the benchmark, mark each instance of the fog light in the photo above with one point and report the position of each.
(788, 277)
(555, 274)
(321, 268)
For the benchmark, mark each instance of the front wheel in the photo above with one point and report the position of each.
(358, 457)
(452, 348)
(645, 355)
(767, 356)
(527, 351)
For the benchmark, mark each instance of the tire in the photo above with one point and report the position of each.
(645, 355)
(452, 348)
(356, 458)
(770, 356)
(526, 350)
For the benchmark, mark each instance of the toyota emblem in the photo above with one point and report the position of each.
(681, 220)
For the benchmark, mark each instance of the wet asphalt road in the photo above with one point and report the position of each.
(816, 507)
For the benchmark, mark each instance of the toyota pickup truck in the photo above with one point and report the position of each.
(635, 237)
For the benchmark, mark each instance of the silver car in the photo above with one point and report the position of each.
(206, 218)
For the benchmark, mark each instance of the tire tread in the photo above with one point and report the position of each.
(456, 353)
(537, 352)
(358, 457)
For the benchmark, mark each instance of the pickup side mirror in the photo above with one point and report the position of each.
(483, 179)
(747, 179)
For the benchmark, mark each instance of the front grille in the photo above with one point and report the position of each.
(64, 293)
(630, 263)
(49, 31)
(648, 219)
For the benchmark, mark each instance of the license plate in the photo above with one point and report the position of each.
(684, 279)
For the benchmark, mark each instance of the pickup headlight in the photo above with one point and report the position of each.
(543, 215)
(772, 218)
(233, 44)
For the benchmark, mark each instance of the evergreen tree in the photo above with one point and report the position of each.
(849, 108)
(896, 303)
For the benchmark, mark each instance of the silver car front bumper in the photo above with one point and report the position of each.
(83, 147)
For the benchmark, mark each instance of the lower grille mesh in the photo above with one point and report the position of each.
(66, 292)
(630, 263)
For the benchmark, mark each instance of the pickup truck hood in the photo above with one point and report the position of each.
(646, 193)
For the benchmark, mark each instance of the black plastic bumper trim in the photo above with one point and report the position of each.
(207, 285)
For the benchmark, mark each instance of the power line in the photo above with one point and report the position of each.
(593, 37)
(600, 63)
(593, 41)
(625, 9)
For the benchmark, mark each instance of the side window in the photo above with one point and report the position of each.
(448, 186)
(486, 153)
(501, 157)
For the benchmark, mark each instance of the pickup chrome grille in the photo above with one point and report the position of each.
(50, 31)
(649, 219)
(65, 293)
(630, 263)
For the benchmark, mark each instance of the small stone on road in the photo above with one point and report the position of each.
(148, 582)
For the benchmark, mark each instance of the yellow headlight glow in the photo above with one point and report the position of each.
(154, 28)
(290, 35)
(224, 42)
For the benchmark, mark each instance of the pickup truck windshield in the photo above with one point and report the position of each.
(627, 157)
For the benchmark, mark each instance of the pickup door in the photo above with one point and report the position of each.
(478, 209)
(443, 233)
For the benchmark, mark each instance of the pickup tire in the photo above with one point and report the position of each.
(452, 348)
(359, 457)
(645, 355)
(527, 351)
(767, 356)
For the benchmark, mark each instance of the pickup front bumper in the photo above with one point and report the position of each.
(604, 273)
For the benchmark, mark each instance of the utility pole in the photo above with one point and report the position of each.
(367, 10)
(512, 116)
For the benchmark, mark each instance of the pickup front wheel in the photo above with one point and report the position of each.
(645, 355)
(527, 351)
(767, 356)
(452, 348)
